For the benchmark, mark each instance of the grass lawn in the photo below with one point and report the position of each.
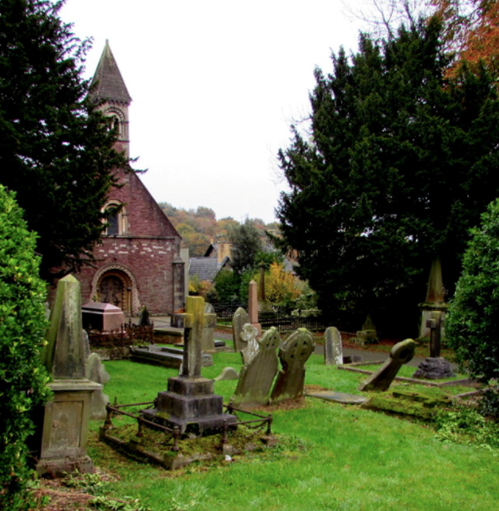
(330, 457)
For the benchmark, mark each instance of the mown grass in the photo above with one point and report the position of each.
(331, 457)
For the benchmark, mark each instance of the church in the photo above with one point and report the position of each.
(138, 258)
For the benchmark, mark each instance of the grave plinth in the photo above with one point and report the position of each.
(189, 402)
(65, 428)
(102, 316)
(65, 418)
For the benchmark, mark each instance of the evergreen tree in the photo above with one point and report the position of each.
(246, 244)
(56, 149)
(397, 166)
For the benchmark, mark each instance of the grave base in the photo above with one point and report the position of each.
(434, 368)
(190, 405)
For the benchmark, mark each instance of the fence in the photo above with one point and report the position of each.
(127, 335)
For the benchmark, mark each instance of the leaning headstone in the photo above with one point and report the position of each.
(248, 335)
(333, 347)
(239, 319)
(381, 380)
(96, 372)
(66, 416)
(256, 377)
(293, 354)
(207, 338)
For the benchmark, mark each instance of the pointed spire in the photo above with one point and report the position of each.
(108, 82)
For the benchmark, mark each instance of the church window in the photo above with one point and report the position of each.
(116, 220)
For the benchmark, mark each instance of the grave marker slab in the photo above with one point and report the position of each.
(381, 380)
(239, 319)
(333, 347)
(293, 354)
(257, 376)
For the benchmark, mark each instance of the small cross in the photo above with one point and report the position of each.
(194, 320)
(435, 326)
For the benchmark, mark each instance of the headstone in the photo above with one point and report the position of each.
(248, 336)
(96, 372)
(435, 298)
(293, 354)
(189, 403)
(256, 377)
(102, 316)
(228, 373)
(381, 380)
(253, 306)
(333, 347)
(239, 319)
(367, 335)
(66, 416)
(207, 339)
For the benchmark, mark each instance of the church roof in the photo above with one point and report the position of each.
(108, 82)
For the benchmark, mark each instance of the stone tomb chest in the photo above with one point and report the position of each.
(102, 316)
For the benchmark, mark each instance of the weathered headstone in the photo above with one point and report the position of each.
(207, 338)
(96, 372)
(435, 299)
(189, 403)
(228, 373)
(293, 354)
(333, 347)
(381, 380)
(253, 306)
(256, 377)
(239, 319)
(66, 416)
(248, 335)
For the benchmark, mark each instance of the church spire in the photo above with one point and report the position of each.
(107, 82)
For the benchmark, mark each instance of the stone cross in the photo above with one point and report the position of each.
(435, 326)
(194, 320)
(293, 354)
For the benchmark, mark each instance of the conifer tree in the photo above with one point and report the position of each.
(56, 150)
(397, 164)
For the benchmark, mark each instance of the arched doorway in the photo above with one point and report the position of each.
(115, 287)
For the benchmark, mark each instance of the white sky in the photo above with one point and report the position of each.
(215, 85)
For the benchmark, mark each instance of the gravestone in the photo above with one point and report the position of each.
(189, 403)
(293, 354)
(333, 347)
(239, 319)
(248, 335)
(96, 372)
(228, 373)
(434, 367)
(257, 376)
(207, 338)
(381, 380)
(65, 417)
(253, 306)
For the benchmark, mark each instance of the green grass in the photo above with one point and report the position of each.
(331, 457)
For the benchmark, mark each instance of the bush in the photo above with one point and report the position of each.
(472, 325)
(22, 326)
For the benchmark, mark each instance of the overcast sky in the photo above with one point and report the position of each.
(215, 86)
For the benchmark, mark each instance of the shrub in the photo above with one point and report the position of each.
(22, 327)
(472, 325)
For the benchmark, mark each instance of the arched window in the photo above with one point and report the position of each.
(117, 121)
(116, 219)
